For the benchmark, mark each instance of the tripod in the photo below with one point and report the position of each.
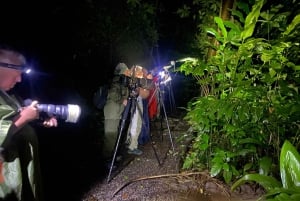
(131, 107)
(161, 104)
(170, 95)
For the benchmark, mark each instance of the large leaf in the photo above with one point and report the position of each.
(251, 19)
(289, 165)
(279, 193)
(266, 182)
(221, 26)
(214, 33)
(293, 24)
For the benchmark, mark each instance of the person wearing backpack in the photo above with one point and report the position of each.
(113, 108)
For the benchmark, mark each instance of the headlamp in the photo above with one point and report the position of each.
(162, 74)
(164, 77)
(23, 68)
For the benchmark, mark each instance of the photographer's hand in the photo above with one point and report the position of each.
(26, 115)
(51, 122)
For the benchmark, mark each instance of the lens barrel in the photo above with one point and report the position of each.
(69, 113)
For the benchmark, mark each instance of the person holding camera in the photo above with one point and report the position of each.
(20, 177)
(139, 131)
(120, 91)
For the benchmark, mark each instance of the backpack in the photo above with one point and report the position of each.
(100, 97)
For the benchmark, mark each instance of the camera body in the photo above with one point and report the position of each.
(69, 113)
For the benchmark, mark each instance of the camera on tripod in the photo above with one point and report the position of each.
(69, 113)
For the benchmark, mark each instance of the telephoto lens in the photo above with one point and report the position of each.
(69, 113)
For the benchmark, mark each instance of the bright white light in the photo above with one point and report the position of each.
(162, 74)
(187, 59)
(27, 71)
(74, 112)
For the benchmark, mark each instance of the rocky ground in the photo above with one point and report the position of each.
(156, 174)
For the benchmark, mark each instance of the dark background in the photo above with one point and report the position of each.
(44, 30)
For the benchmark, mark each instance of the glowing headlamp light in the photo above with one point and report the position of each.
(164, 77)
(162, 74)
(22, 68)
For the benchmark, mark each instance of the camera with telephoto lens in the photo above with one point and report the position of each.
(69, 113)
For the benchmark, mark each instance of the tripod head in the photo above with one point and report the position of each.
(133, 86)
(138, 86)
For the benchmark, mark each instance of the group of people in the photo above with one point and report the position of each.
(127, 102)
(20, 177)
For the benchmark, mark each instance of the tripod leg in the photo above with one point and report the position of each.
(121, 128)
(147, 127)
(140, 112)
(171, 98)
(167, 122)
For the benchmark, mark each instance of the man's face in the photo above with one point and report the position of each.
(9, 77)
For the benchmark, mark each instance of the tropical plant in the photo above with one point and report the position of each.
(251, 101)
(289, 186)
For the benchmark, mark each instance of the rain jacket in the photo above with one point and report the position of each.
(12, 167)
(117, 93)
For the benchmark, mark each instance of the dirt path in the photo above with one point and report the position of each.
(155, 175)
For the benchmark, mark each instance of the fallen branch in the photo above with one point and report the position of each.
(158, 177)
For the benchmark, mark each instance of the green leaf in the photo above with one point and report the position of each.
(226, 167)
(293, 24)
(283, 197)
(216, 169)
(272, 72)
(250, 141)
(227, 175)
(293, 193)
(295, 197)
(238, 14)
(265, 164)
(220, 23)
(247, 167)
(266, 182)
(214, 33)
(296, 67)
(204, 144)
(251, 19)
(289, 165)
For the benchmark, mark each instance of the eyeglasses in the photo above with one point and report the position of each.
(22, 68)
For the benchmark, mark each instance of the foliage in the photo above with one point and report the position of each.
(289, 187)
(202, 17)
(251, 103)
